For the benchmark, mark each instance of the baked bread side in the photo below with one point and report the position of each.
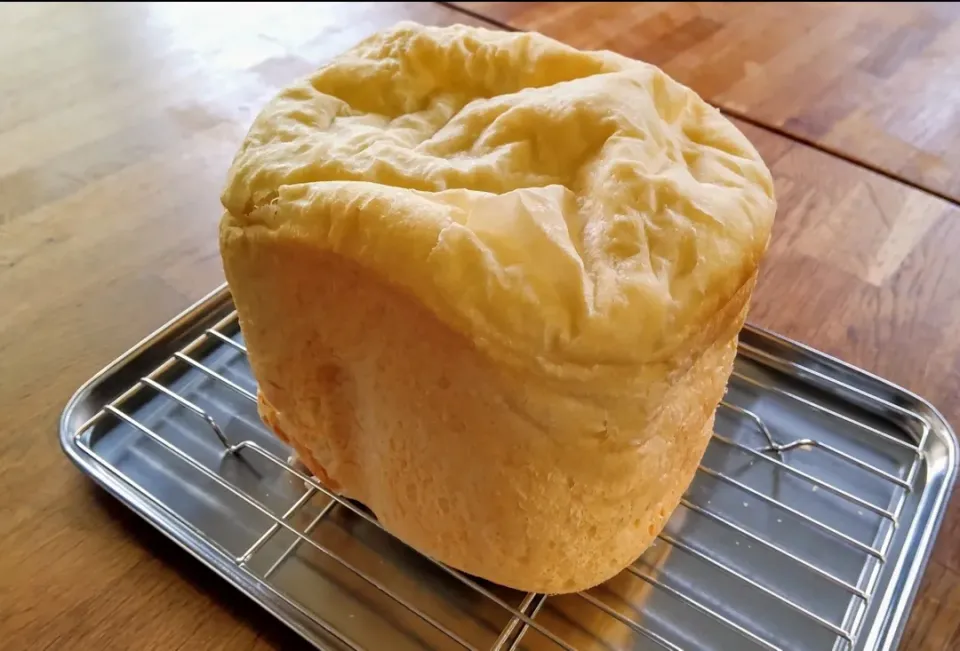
(491, 286)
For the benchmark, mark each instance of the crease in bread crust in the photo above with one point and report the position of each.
(491, 287)
(565, 209)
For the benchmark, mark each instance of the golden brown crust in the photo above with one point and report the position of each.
(545, 487)
(491, 287)
(560, 208)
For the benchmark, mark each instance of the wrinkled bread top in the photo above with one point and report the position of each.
(559, 207)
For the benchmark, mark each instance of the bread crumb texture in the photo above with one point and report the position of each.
(562, 208)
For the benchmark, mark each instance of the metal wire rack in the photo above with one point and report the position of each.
(524, 618)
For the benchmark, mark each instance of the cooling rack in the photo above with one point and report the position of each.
(807, 526)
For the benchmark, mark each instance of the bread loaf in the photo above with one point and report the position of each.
(491, 286)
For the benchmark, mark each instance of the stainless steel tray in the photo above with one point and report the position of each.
(807, 527)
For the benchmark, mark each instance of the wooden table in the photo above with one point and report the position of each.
(117, 123)
(875, 83)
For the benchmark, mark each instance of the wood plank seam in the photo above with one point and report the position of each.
(809, 142)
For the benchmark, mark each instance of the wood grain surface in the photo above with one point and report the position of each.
(117, 122)
(876, 82)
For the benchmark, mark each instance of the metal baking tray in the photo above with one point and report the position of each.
(807, 527)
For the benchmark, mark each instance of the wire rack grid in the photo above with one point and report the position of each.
(523, 616)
